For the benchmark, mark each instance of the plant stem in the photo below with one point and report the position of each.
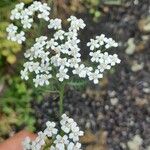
(61, 97)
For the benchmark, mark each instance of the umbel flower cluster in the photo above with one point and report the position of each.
(59, 56)
(53, 139)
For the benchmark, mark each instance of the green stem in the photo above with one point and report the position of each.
(61, 97)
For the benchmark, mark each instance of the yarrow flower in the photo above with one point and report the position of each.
(61, 52)
(25, 15)
(13, 35)
(55, 24)
(50, 130)
(65, 139)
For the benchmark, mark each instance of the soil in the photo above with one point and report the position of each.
(120, 105)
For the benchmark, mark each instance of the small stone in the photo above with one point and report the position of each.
(146, 90)
(137, 67)
(135, 143)
(112, 93)
(114, 101)
(138, 139)
(144, 24)
(131, 46)
(123, 145)
(136, 2)
(100, 116)
(141, 102)
(106, 107)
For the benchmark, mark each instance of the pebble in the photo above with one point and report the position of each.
(114, 101)
(137, 67)
(131, 46)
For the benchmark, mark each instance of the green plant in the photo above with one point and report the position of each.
(93, 8)
(53, 60)
(15, 102)
(15, 109)
(8, 49)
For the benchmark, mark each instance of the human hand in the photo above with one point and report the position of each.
(15, 142)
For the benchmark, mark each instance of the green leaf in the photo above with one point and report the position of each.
(77, 84)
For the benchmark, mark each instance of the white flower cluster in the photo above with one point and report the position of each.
(25, 15)
(13, 35)
(66, 139)
(62, 51)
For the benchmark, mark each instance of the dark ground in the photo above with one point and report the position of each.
(120, 104)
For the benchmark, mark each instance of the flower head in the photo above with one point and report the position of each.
(69, 140)
(59, 55)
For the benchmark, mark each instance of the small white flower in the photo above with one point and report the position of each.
(64, 48)
(51, 44)
(74, 62)
(75, 52)
(53, 148)
(95, 76)
(75, 134)
(105, 58)
(35, 146)
(55, 24)
(32, 66)
(68, 125)
(54, 60)
(71, 35)
(61, 142)
(26, 143)
(63, 62)
(44, 56)
(114, 59)
(11, 28)
(95, 56)
(62, 74)
(110, 43)
(15, 13)
(93, 44)
(76, 24)
(59, 35)
(88, 70)
(103, 66)
(26, 13)
(45, 67)
(40, 139)
(44, 7)
(19, 6)
(27, 23)
(72, 146)
(20, 37)
(64, 119)
(50, 130)
(41, 40)
(44, 10)
(24, 74)
(80, 70)
(42, 79)
(44, 16)
(101, 39)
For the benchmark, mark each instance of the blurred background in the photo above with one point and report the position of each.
(115, 114)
